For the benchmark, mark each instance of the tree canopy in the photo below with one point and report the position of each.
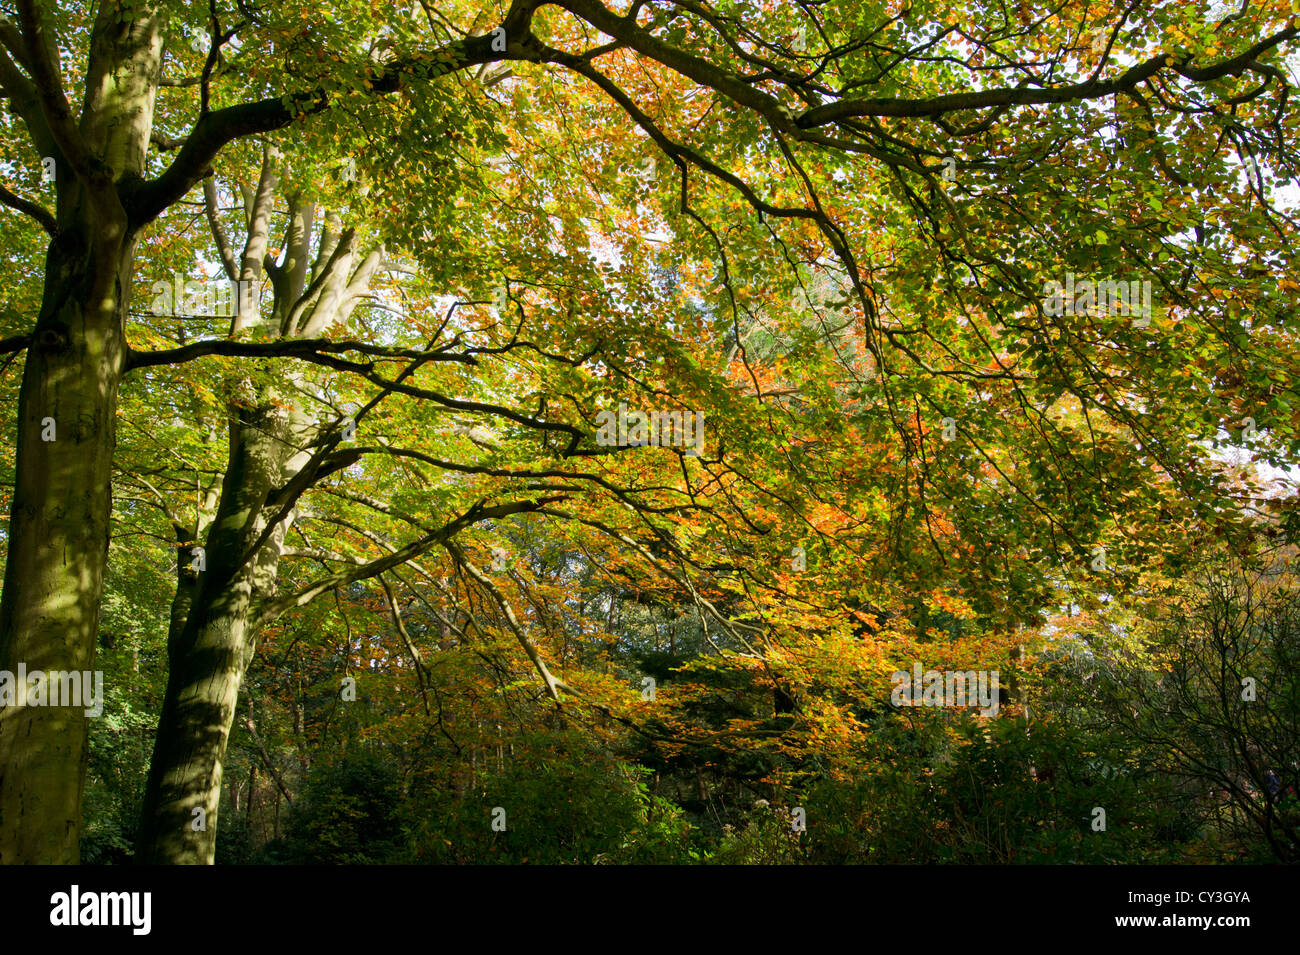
(552, 431)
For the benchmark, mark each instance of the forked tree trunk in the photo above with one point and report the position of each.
(209, 655)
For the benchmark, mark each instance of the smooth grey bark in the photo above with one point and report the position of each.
(268, 449)
(59, 519)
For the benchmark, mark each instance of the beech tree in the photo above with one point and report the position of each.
(946, 168)
(76, 352)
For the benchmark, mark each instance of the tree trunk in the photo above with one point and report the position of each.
(252, 790)
(67, 407)
(210, 653)
(208, 658)
(58, 536)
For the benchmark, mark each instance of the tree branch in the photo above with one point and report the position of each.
(274, 609)
(307, 349)
(31, 209)
(146, 200)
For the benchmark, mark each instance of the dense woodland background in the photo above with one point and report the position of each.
(365, 587)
